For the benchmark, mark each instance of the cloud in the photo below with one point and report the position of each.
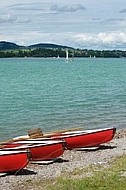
(45, 7)
(67, 8)
(96, 28)
(114, 20)
(5, 18)
(110, 38)
(26, 7)
(24, 20)
(8, 18)
(104, 40)
(123, 11)
(99, 41)
(96, 19)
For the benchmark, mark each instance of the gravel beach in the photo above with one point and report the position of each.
(70, 160)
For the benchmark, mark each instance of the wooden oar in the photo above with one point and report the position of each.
(2, 146)
(49, 134)
(63, 131)
(46, 135)
(35, 136)
(12, 140)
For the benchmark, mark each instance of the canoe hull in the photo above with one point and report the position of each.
(13, 162)
(79, 139)
(39, 150)
(89, 139)
(48, 152)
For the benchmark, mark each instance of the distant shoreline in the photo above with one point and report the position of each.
(9, 49)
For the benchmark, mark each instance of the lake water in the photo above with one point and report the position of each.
(52, 94)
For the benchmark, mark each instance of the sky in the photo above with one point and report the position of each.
(83, 24)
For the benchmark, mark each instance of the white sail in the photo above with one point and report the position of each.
(67, 57)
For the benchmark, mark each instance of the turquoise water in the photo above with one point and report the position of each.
(52, 94)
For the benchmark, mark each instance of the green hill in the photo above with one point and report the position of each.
(47, 45)
(9, 46)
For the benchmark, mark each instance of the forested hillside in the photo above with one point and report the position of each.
(8, 49)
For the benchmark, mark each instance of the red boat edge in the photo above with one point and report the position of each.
(79, 139)
(89, 138)
(40, 150)
(12, 161)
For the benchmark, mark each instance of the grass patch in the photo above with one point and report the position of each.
(96, 177)
(112, 177)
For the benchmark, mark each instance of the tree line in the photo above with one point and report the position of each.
(55, 52)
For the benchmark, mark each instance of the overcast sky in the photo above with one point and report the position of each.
(86, 24)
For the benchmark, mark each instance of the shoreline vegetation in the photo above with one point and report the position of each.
(92, 169)
(12, 50)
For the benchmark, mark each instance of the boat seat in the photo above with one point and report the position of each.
(35, 132)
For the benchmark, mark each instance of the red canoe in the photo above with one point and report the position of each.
(89, 138)
(40, 150)
(80, 139)
(47, 151)
(13, 160)
(83, 138)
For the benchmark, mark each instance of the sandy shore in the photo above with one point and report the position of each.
(70, 160)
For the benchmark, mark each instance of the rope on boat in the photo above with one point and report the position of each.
(99, 143)
(49, 154)
(28, 159)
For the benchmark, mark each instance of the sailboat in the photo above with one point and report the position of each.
(67, 55)
(72, 58)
